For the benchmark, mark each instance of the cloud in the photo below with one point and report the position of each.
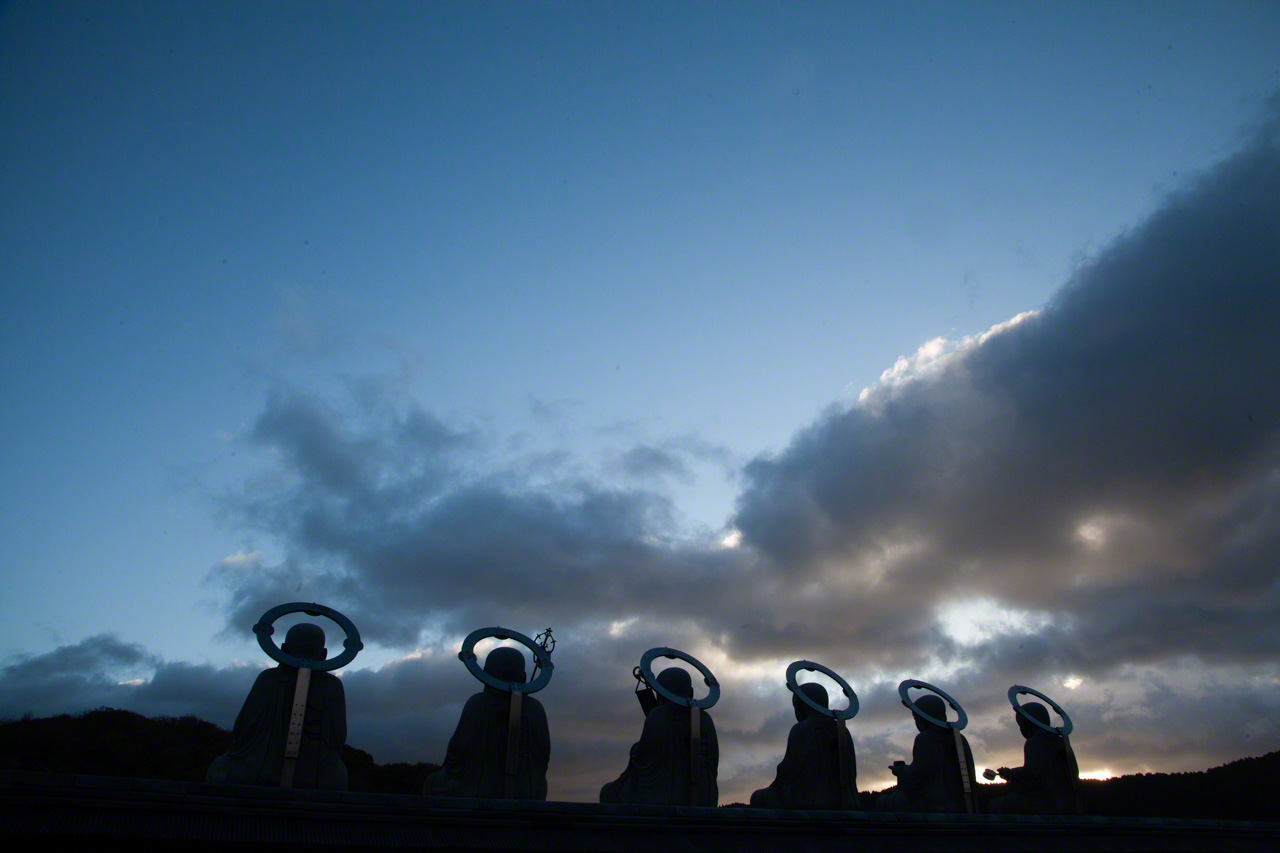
(1087, 493)
(103, 671)
(1112, 459)
(647, 461)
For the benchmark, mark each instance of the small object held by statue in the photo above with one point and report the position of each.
(645, 695)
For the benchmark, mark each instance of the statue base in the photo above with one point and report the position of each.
(96, 811)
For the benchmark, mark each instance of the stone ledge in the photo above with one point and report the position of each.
(150, 813)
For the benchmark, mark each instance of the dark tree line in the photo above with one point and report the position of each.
(109, 742)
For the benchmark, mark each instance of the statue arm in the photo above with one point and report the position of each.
(713, 743)
(648, 699)
(641, 758)
(914, 777)
(793, 760)
(970, 767)
(713, 755)
(1038, 764)
(651, 740)
(242, 718)
(539, 735)
(455, 755)
(255, 705)
(338, 715)
(853, 762)
(1013, 775)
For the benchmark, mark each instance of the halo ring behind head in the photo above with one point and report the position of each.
(351, 646)
(962, 719)
(468, 657)
(809, 666)
(1064, 729)
(713, 686)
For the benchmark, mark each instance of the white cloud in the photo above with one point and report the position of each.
(241, 560)
(975, 620)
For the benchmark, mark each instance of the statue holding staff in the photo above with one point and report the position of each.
(501, 746)
(675, 760)
(293, 725)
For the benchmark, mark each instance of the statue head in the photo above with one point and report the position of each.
(814, 691)
(505, 664)
(305, 640)
(677, 681)
(1037, 712)
(931, 705)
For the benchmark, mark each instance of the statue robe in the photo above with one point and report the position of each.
(475, 764)
(931, 782)
(658, 771)
(809, 775)
(1045, 783)
(256, 756)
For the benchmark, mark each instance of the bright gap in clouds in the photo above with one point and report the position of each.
(975, 620)
(619, 627)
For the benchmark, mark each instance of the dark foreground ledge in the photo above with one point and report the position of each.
(149, 813)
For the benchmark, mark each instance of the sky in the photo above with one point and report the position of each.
(922, 340)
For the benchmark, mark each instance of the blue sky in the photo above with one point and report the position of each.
(625, 248)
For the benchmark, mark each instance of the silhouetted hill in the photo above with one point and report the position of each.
(1245, 789)
(109, 742)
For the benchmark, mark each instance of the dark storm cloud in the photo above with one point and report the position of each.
(482, 548)
(89, 656)
(1112, 458)
(391, 516)
(103, 671)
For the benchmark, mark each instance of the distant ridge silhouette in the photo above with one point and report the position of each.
(1244, 789)
(111, 742)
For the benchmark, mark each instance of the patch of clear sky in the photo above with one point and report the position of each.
(704, 218)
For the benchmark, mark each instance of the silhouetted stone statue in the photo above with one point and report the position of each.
(931, 782)
(475, 764)
(1045, 783)
(658, 771)
(809, 775)
(257, 749)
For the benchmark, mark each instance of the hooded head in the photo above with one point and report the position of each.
(816, 692)
(931, 705)
(305, 640)
(505, 664)
(1037, 712)
(677, 681)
